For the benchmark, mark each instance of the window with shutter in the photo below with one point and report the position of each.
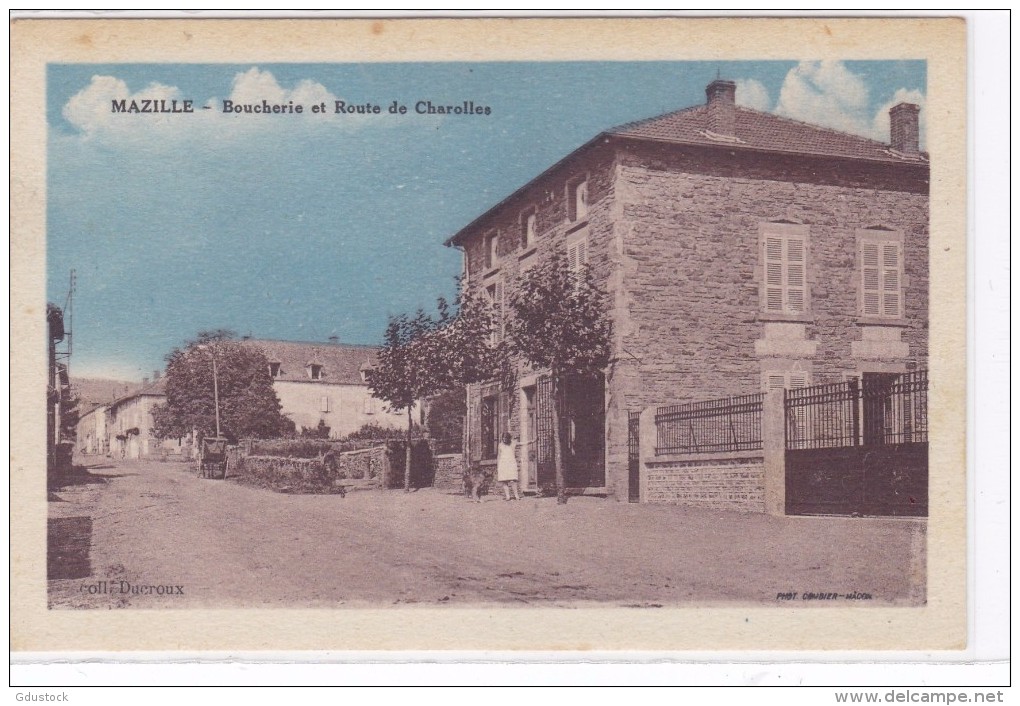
(784, 257)
(324, 404)
(881, 263)
(577, 257)
(494, 295)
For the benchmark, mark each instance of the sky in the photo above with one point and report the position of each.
(302, 227)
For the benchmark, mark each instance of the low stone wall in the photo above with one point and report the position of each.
(449, 471)
(360, 465)
(718, 481)
(289, 475)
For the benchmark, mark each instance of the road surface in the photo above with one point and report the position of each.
(148, 534)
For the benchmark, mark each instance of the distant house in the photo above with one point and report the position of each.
(741, 251)
(327, 382)
(129, 424)
(91, 433)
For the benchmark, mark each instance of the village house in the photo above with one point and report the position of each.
(327, 382)
(741, 252)
(91, 432)
(128, 424)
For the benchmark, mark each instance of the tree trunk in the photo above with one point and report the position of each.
(561, 485)
(407, 457)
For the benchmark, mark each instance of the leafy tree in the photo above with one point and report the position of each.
(248, 405)
(425, 355)
(559, 322)
(408, 369)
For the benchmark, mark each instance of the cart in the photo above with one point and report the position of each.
(213, 461)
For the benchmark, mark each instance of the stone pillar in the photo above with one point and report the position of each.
(774, 447)
(647, 448)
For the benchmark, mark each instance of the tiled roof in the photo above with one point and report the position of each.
(341, 363)
(153, 389)
(762, 131)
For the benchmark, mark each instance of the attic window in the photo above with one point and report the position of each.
(577, 200)
(491, 249)
(274, 370)
(315, 371)
(529, 228)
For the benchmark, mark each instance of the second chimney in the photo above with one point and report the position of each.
(722, 107)
(904, 134)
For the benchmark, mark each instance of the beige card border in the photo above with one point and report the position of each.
(940, 625)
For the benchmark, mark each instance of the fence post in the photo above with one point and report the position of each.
(773, 422)
(646, 448)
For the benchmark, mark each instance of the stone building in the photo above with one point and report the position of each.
(128, 424)
(326, 382)
(741, 252)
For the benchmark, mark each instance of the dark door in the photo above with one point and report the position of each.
(585, 428)
(634, 457)
(880, 418)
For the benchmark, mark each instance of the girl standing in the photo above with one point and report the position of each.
(506, 468)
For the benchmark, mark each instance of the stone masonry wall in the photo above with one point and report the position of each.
(690, 312)
(549, 198)
(449, 471)
(725, 484)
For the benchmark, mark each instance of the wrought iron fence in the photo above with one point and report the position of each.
(877, 409)
(727, 424)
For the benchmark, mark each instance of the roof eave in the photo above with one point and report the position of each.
(453, 241)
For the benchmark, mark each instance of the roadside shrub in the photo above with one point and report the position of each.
(286, 475)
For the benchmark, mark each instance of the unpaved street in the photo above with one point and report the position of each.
(220, 544)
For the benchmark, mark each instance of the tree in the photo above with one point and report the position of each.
(423, 356)
(558, 321)
(409, 368)
(248, 405)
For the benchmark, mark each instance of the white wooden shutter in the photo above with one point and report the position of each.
(871, 280)
(324, 403)
(891, 264)
(774, 274)
(882, 279)
(577, 256)
(795, 275)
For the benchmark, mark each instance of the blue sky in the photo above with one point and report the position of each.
(305, 227)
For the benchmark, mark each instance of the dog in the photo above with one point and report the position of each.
(475, 483)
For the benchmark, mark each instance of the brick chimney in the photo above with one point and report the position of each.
(722, 107)
(903, 128)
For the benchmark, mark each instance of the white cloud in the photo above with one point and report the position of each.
(90, 111)
(751, 93)
(828, 93)
(825, 93)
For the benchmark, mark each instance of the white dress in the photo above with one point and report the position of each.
(506, 463)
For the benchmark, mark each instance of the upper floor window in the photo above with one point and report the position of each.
(491, 249)
(314, 371)
(274, 370)
(784, 259)
(881, 274)
(577, 255)
(529, 228)
(577, 200)
(324, 404)
(494, 296)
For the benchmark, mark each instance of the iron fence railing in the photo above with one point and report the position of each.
(873, 410)
(727, 424)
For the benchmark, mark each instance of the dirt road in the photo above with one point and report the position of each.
(146, 534)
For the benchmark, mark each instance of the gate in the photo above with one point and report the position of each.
(858, 447)
(634, 457)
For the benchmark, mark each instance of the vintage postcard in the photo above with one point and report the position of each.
(563, 334)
